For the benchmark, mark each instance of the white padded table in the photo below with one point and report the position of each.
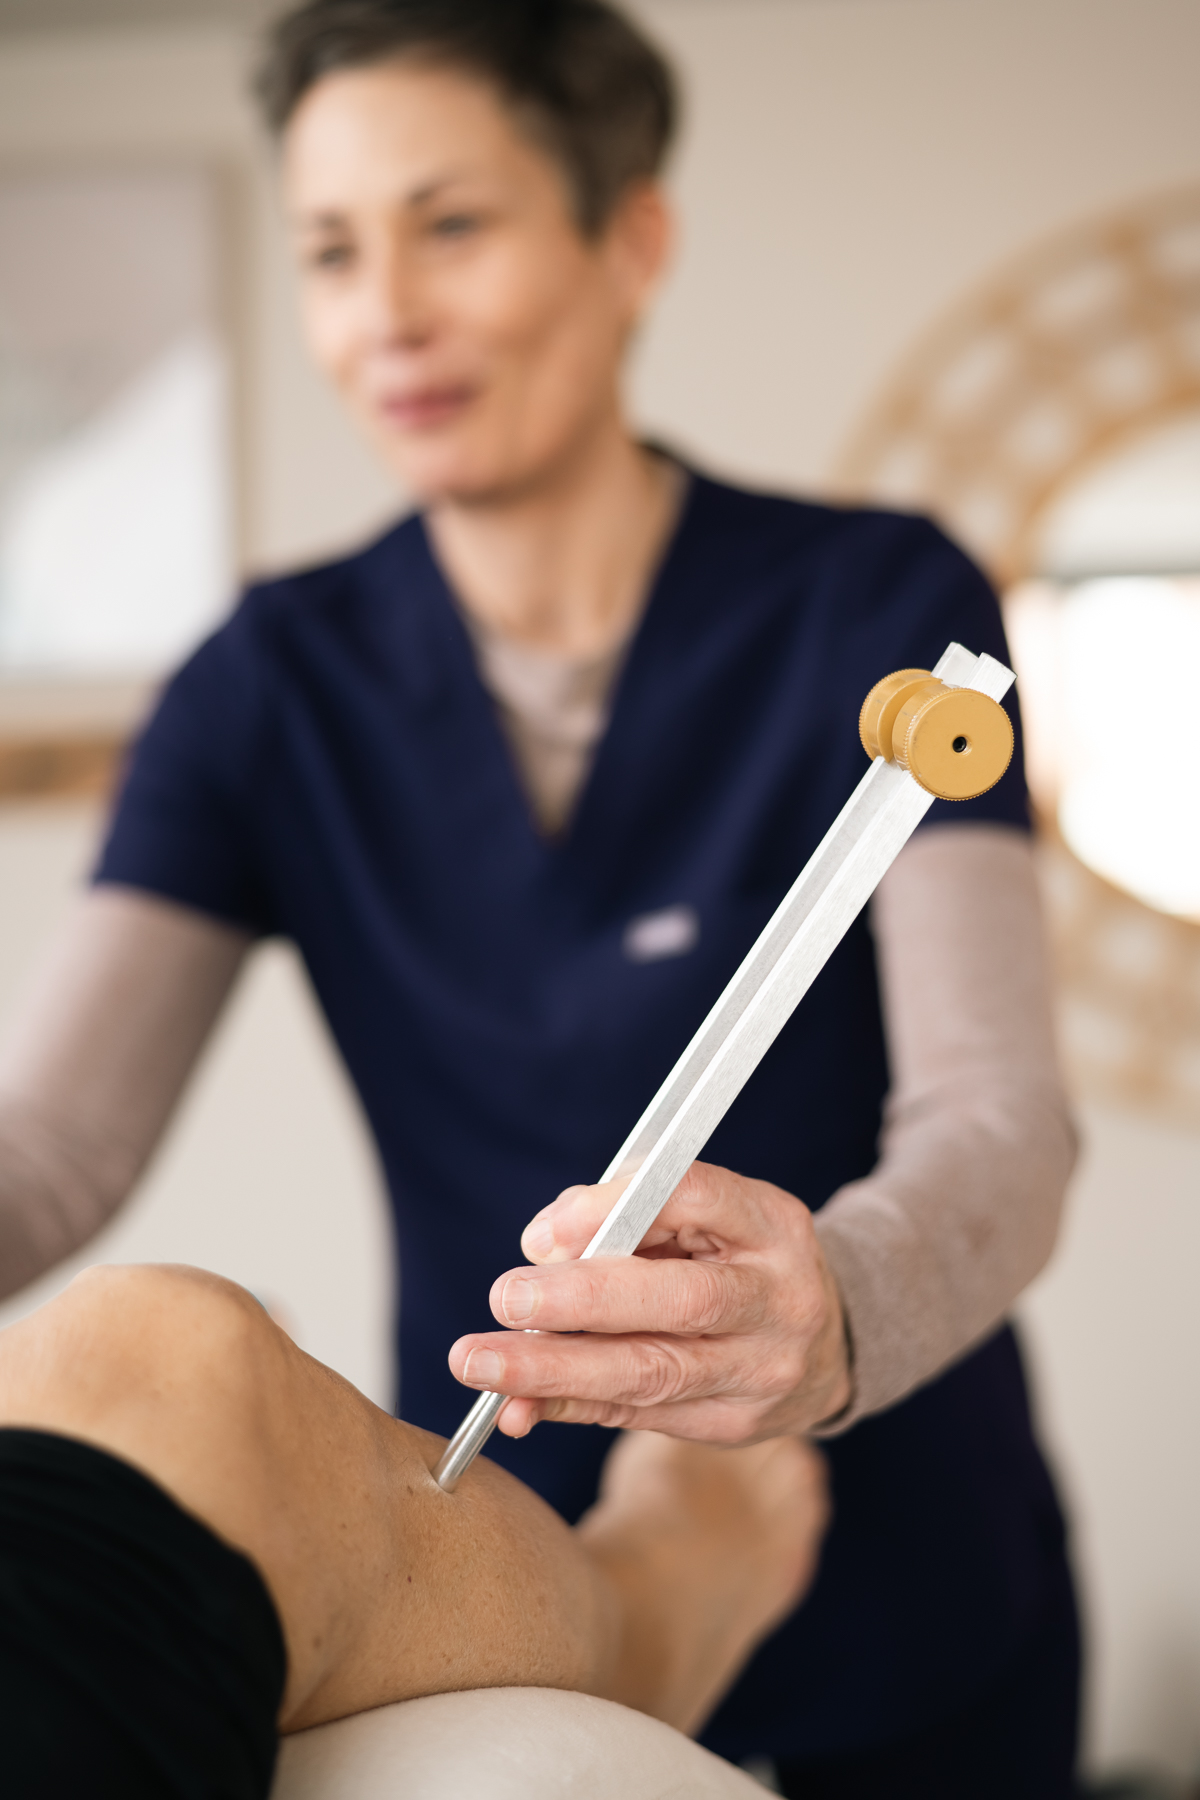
(503, 1744)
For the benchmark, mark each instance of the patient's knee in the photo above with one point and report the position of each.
(151, 1297)
(155, 1330)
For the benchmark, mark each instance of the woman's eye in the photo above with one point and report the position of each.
(455, 225)
(331, 256)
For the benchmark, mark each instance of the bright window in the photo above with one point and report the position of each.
(115, 540)
(1107, 647)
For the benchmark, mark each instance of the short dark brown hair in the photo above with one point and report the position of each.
(590, 87)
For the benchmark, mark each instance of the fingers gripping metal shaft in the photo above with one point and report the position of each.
(837, 881)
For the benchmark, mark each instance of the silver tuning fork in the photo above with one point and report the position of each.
(939, 734)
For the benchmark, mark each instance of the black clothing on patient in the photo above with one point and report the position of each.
(140, 1657)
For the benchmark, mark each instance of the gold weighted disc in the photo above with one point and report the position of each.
(955, 743)
(880, 707)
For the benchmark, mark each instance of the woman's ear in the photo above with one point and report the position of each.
(638, 242)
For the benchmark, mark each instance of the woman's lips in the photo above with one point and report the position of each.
(425, 407)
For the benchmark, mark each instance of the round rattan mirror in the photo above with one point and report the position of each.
(1052, 422)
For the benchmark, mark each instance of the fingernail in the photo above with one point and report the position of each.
(525, 1429)
(483, 1369)
(538, 1238)
(518, 1300)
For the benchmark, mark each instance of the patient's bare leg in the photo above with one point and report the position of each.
(708, 1548)
(386, 1587)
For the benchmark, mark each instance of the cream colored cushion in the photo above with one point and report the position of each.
(503, 1744)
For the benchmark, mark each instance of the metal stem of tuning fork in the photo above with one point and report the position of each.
(961, 749)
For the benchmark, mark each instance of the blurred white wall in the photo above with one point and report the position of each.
(1114, 1334)
(850, 166)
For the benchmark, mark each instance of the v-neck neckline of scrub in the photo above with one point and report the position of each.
(553, 850)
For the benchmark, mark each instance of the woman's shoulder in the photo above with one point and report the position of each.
(822, 555)
(292, 621)
(331, 590)
(813, 524)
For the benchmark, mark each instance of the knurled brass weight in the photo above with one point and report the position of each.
(880, 707)
(955, 742)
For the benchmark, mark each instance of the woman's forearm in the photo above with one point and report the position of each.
(962, 1210)
(95, 1062)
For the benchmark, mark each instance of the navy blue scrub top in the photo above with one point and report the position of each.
(328, 767)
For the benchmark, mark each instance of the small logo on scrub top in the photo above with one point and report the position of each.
(652, 936)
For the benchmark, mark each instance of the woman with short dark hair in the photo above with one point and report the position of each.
(588, 86)
(522, 781)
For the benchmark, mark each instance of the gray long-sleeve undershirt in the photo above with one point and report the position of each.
(97, 1057)
(962, 1209)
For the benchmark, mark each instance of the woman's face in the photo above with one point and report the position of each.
(447, 291)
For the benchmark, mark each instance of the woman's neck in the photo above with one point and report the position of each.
(564, 566)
